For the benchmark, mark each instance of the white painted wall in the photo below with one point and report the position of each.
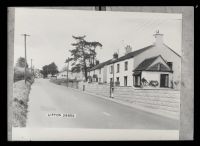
(148, 75)
(167, 54)
(105, 74)
(98, 73)
(122, 72)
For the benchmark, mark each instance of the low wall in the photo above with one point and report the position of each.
(99, 89)
(166, 101)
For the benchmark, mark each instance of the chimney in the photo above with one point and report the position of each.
(158, 38)
(115, 56)
(128, 49)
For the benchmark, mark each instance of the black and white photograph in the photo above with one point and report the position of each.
(97, 71)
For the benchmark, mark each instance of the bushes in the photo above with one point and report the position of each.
(19, 75)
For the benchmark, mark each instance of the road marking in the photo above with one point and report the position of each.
(105, 113)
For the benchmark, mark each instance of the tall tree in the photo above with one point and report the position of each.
(21, 62)
(83, 55)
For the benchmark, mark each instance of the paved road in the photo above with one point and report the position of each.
(90, 111)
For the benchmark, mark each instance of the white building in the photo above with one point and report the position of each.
(99, 72)
(71, 75)
(156, 66)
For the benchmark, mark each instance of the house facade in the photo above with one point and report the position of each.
(154, 66)
(99, 73)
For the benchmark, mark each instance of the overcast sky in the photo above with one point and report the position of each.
(51, 32)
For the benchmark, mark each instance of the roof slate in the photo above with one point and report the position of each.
(159, 67)
(131, 54)
(144, 66)
(100, 65)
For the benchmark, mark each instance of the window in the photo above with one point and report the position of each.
(170, 64)
(164, 80)
(117, 83)
(100, 71)
(126, 65)
(125, 80)
(117, 68)
(111, 69)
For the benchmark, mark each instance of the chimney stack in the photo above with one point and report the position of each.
(158, 38)
(128, 49)
(115, 56)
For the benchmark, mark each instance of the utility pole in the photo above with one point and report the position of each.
(25, 35)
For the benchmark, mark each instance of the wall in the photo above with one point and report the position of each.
(122, 72)
(155, 76)
(98, 89)
(167, 102)
(166, 54)
(105, 74)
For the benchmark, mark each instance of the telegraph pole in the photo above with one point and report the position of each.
(25, 35)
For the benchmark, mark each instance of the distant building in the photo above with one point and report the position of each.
(71, 75)
(156, 66)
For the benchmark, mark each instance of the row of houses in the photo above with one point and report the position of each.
(154, 66)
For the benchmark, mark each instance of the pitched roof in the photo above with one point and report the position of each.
(159, 67)
(100, 65)
(172, 50)
(131, 54)
(146, 65)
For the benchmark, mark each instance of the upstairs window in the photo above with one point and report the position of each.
(170, 64)
(117, 68)
(126, 65)
(111, 69)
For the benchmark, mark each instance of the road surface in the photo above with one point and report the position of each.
(57, 106)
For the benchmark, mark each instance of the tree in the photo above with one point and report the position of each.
(52, 68)
(21, 62)
(49, 69)
(83, 55)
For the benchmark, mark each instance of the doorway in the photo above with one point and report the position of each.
(164, 80)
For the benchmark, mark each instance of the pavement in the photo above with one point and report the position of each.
(56, 106)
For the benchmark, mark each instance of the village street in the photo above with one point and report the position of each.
(48, 103)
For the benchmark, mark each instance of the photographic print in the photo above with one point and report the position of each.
(96, 70)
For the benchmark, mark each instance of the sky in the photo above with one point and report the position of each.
(51, 32)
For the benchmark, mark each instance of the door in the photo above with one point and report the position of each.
(125, 80)
(137, 81)
(164, 80)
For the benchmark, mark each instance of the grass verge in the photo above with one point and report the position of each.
(20, 103)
